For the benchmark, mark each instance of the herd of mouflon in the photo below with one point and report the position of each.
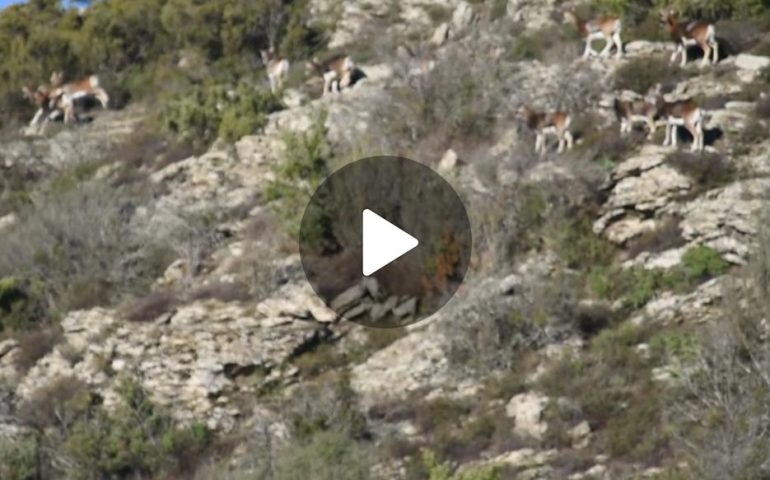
(58, 100)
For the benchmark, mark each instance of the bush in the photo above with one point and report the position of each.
(576, 243)
(637, 286)
(152, 306)
(329, 455)
(664, 237)
(304, 164)
(613, 389)
(721, 9)
(34, 345)
(436, 470)
(135, 45)
(639, 75)
(78, 438)
(703, 263)
(20, 459)
(636, 10)
(708, 170)
(91, 245)
(459, 99)
(22, 305)
(219, 110)
(138, 439)
(325, 406)
(541, 44)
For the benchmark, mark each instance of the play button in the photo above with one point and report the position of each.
(385, 241)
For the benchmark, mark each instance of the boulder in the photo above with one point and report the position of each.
(449, 161)
(746, 61)
(527, 410)
(440, 35)
(462, 16)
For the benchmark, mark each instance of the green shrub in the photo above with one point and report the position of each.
(639, 75)
(436, 470)
(576, 243)
(19, 459)
(328, 455)
(138, 439)
(304, 164)
(637, 286)
(22, 305)
(135, 45)
(703, 263)
(720, 9)
(328, 405)
(219, 110)
(613, 390)
(677, 346)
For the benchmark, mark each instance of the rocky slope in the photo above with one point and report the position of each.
(223, 362)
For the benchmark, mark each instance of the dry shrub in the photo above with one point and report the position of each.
(50, 404)
(153, 306)
(146, 149)
(665, 237)
(34, 345)
(222, 291)
(709, 170)
(458, 99)
(92, 244)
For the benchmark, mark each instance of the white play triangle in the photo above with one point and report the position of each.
(383, 242)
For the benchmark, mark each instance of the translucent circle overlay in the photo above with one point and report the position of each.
(414, 198)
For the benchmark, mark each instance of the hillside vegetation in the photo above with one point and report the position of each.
(155, 322)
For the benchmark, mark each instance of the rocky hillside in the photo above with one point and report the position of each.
(155, 321)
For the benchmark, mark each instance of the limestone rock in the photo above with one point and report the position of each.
(650, 191)
(527, 411)
(725, 219)
(441, 34)
(580, 435)
(462, 16)
(8, 220)
(449, 161)
(747, 61)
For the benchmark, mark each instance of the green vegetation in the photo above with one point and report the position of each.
(21, 304)
(541, 44)
(150, 49)
(637, 286)
(614, 391)
(328, 455)
(20, 459)
(443, 471)
(222, 111)
(305, 162)
(642, 74)
(77, 438)
(712, 9)
(138, 438)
